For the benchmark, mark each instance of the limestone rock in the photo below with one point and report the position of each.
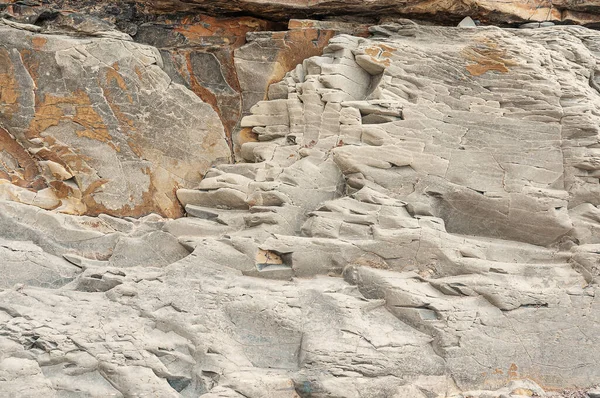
(27, 264)
(81, 239)
(198, 52)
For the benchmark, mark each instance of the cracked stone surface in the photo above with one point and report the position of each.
(416, 216)
(108, 129)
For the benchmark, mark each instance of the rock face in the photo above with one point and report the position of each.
(494, 11)
(443, 171)
(96, 126)
(129, 14)
(413, 211)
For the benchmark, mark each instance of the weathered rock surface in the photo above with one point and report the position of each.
(94, 125)
(442, 172)
(441, 10)
(416, 214)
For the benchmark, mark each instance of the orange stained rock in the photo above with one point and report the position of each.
(148, 204)
(62, 155)
(486, 55)
(580, 18)
(38, 42)
(134, 145)
(299, 45)
(386, 51)
(246, 135)
(361, 30)
(530, 10)
(234, 28)
(267, 257)
(31, 62)
(51, 110)
(513, 371)
(62, 190)
(301, 24)
(380, 54)
(138, 72)
(113, 76)
(115, 85)
(9, 88)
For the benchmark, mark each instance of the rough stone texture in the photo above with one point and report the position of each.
(444, 172)
(198, 52)
(416, 217)
(128, 15)
(442, 10)
(268, 56)
(94, 125)
(231, 62)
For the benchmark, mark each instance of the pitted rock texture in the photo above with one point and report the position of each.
(94, 125)
(416, 217)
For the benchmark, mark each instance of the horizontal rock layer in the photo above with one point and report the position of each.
(128, 13)
(440, 10)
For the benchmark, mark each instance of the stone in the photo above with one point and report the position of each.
(413, 213)
(437, 10)
(92, 123)
(26, 263)
(593, 393)
(88, 238)
(405, 237)
(268, 56)
(198, 52)
(467, 22)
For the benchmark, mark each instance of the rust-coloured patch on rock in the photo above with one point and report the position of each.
(51, 110)
(115, 82)
(268, 257)
(513, 371)
(113, 77)
(246, 135)
(298, 45)
(232, 31)
(38, 42)
(486, 56)
(147, 205)
(9, 89)
(380, 54)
